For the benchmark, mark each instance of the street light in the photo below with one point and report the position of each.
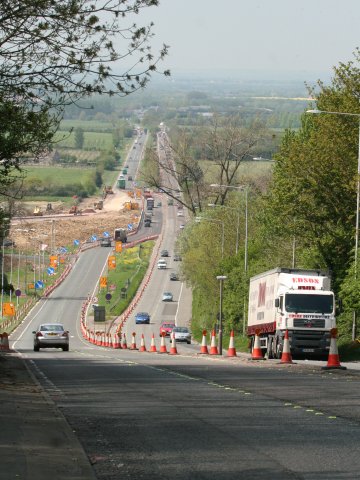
(198, 220)
(316, 111)
(221, 279)
(213, 205)
(245, 189)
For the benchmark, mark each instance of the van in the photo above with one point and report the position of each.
(161, 264)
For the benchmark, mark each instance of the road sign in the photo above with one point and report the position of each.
(130, 226)
(106, 234)
(76, 242)
(18, 292)
(51, 271)
(108, 296)
(39, 284)
(93, 238)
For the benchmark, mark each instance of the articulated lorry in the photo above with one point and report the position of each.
(299, 301)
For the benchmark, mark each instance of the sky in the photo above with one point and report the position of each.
(301, 37)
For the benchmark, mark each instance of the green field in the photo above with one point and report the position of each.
(86, 125)
(60, 175)
(92, 140)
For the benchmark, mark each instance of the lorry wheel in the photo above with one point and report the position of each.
(278, 351)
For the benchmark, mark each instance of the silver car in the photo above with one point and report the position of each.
(51, 335)
(182, 334)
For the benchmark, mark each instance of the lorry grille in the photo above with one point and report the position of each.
(309, 323)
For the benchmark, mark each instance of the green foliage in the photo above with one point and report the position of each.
(79, 138)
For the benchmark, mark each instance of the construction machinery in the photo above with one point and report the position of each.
(108, 190)
(75, 210)
(99, 205)
(37, 212)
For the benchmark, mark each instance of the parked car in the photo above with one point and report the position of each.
(161, 265)
(174, 276)
(167, 328)
(142, 317)
(177, 258)
(164, 253)
(180, 213)
(182, 334)
(167, 297)
(51, 335)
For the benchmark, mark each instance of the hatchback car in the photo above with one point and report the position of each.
(167, 297)
(174, 276)
(164, 253)
(177, 258)
(51, 335)
(142, 317)
(167, 328)
(182, 334)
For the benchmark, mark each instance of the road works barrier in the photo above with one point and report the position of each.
(213, 347)
(256, 353)
(286, 354)
(204, 349)
(333, 358)
(231, 351)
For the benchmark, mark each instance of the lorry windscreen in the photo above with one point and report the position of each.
(305, 303)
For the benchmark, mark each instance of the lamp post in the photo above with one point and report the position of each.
(316, 111)
(243, 188)
(213, 205)
(198, 220)
(221, 279)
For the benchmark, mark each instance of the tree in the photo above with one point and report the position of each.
(55, 52)
(219, 149)
(79, 138)
(314, 189)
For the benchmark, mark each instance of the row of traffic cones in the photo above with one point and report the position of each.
(286, 358)
(213, 347)
(142, 348)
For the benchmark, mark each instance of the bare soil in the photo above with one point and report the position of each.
(60, 228)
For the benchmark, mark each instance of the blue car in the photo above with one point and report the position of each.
(142, 317)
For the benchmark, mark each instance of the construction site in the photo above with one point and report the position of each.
(43, 221)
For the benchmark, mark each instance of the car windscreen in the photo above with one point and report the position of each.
(306, 303)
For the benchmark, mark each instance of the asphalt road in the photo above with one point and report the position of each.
(187, 416)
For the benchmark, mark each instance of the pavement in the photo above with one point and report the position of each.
(36, 442)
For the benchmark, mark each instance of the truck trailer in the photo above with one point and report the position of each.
(296, 300)
(120, 235)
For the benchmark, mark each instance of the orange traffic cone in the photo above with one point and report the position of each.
(116, 340)
(286, 354)
(333, 359)
(204, 348)
(5, 342)
(142, 344)
(163, 344)
(213, 347)
(133, 342)
(124, 342)
(231, 351)
(256, 352)
(173, 349)
(152, 346)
